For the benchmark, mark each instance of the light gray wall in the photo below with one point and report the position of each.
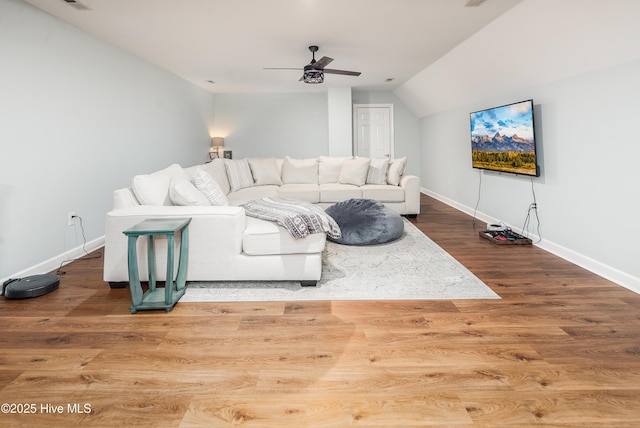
(533, 43)
(579, 60)
(588, 194)
(79, 118)
(265, 125)
(340, 122)
(296, 125)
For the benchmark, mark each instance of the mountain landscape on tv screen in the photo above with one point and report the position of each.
(502, 143)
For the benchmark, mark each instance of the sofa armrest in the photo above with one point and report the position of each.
(215, 234)
(411, 185)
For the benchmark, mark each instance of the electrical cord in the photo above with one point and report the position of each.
(86, 253)
(473, 222)
(532, 206)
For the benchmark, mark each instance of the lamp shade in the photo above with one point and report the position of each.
(217, 142)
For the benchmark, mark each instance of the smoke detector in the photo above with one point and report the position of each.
(76, 4)
(474, 3)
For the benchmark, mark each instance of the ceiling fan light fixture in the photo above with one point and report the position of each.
(312, 75)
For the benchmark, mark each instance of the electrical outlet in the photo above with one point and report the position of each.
(534, 207)
(71, 218)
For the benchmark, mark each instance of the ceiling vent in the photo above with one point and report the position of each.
(474, 3)
(76, 4)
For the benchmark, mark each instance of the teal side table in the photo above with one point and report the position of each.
(158, 298)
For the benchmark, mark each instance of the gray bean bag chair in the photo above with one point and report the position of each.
(365, 222)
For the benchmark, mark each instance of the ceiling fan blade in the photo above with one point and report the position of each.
(281, 68)
(345, 72)
(322, 62)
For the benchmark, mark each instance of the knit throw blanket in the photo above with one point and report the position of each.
(298, 217)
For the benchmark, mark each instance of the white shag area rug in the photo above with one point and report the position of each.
(412, 267)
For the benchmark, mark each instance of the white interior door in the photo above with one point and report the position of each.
(373, 132)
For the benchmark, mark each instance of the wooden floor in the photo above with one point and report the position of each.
(562, 348)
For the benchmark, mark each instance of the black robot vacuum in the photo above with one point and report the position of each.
(31, 286)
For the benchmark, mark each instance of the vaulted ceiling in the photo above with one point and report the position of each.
(224, 46)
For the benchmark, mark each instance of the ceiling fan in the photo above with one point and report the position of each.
(314, 71)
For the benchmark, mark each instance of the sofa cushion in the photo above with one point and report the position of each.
(378, 171)
(239, 173)
(383, 192)
(218, 172)
(209, 188)
(396, 169)
(183, 192)
(354, 171)
(329, 169)
(301, 192)
(336, 192)
(153, 189)
(250, 193)
(263, 237)
(300, 171)
(265, 171)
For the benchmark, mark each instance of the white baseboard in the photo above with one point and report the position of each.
(610, 273)
(60, 260)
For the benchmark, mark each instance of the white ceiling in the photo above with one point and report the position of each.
(229, 42)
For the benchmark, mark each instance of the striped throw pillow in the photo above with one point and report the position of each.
(207, 185)
(183, 192)
(239, 174)
(378, 171)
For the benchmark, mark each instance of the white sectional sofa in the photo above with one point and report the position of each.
(224, 243)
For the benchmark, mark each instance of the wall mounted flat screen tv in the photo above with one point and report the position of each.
(502, 139)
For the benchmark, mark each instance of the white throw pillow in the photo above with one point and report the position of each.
(300, 171)
(209, 188)
(239, 174)
(378, 171)
(183, 192)
(265, 171)
(354, 171)
(396, 169)
(329, 169)
(153, 189)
